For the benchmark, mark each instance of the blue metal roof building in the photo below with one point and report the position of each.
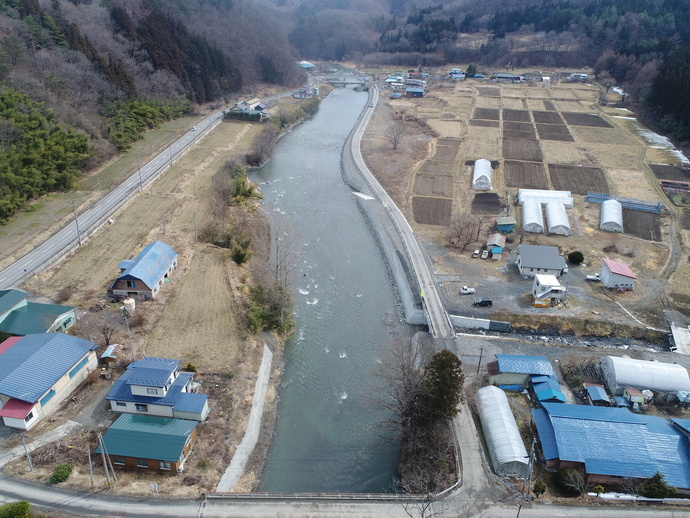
(612, 443)
(144, 275)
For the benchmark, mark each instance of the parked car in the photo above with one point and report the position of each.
(466, 291)
(371, 105)
(483, 302)
(485, 254)
(475, 254)
(594, 277)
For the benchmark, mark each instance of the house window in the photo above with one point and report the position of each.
(165, 465)
(118, 460)
(78, 367)
(120, 403)
(131, 284)
(29, 417)
(152, 391)
(142, 463)
(141, 408)
(47, 397)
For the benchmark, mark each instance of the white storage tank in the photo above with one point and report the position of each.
(532, 218)
(481, 179)
(130, 305)
(557, 219)
(611, 219)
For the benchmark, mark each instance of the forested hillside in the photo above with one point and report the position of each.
(106, 71)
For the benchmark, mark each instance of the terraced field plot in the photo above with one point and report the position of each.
(516, 115)
(487, 203)
(547, 117)
(493, 114)
(485, 123)
(525, 175)
(519, 130)
(586, 119)
(488, 91)
(522, 149)
(548, 105)
(432, 211)
(671, 172)
(433, 185)
(578, 180)
(436, 167)
(644, 225)
(554, 132)
(451, 142)
(445, 153)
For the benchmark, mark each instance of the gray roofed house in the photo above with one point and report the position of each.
(143, 276)
(534, 259)
(38, 371)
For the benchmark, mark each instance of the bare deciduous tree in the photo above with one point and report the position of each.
(395, 133)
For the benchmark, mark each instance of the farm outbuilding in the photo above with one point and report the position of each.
(506, 449)
(481, 179)
(532, 217)
(537, 259)
(617, 275)
(557, 219)
(620, 373)
(611, 219)
(544, 197)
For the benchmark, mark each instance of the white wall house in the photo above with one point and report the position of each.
(617, 275)
(547, 291)
(537, 259)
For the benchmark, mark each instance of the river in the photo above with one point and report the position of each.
(345, 313)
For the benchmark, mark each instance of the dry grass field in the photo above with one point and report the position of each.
(448, 128)
(566, 153)
(489, 91)
(481, 143)
(433, 185)
(436, 167)
(513, 103)
(445, 153)
(432, 211)
(593, 135)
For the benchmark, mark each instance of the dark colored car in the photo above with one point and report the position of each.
(483, 302)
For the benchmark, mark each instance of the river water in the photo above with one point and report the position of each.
(345, 313)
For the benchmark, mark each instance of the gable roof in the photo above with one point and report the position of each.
(614, 441)
(16, 409)
(506, 220)
(151, 371)
(35, 362)
(33, 318)
(9, 299)
(521, 364)
(148, 437)
(538, 256)
(597, 393)
(619, 268)
(151, 264)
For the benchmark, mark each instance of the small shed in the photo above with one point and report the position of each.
(111, 355)
(597, 396)
(557, 219)
(414, 92)
(532, 217)
(495, 244)
(506, 224)
(617, 275)
(611, 216)
(506, 449)
(481, 179)
(633, 395)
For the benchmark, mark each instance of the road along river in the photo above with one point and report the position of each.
(345, 314)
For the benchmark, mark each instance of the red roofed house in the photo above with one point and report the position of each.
(617, 275)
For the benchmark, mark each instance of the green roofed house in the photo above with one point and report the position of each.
(20, 317)
(149, 442)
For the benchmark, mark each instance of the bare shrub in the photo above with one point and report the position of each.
(64, 294)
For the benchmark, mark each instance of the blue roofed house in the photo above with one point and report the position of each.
(611, 445)
(144, 276)
(20, 317)
(155, 386)
(531, 372)
(38, 371)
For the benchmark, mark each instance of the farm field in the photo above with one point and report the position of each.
(586, 119)
(578, 180)
(522, 149)
(433, 185)
(547, 117)
(517, 115)
(486, 203)
(525, 175)
(432, 211)
(487, 113)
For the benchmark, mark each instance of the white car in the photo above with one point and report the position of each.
(475, 254)
(466, 290)
(485, 254)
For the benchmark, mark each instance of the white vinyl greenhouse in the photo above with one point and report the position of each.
(557, 219)
(532, 218)
(481, 180)
(506, 449)
(544, 197)
(659, 377)
(611, 216)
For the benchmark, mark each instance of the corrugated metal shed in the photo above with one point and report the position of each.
(151, 264)
(611, 216)
(506, 449)
(597, 393)
(532, 217)
(657, 376)
(614, 442)
(148, 437)
(557, 219)
(481, 178)
(525, 364)
(33, 365)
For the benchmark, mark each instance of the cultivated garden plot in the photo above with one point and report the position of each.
(433, 185)
(432, 211)
(436, 167)
(485, 123)
(525, 175)
(516, 115)
(487, 203)
(487, 113)
(549, 105)
(554, 132)
(578, 180)
(671, 172)
(450, 142)
(519, 130)
(445, 153)
(644, 225)
(522, 149)
(489, 91)
(541, 117)
(586, 119)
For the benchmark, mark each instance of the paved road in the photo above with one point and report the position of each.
(61, 243)
(437, 317)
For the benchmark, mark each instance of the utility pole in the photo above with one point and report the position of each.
(90, 466)
(105, 463)
(131, 347)
(26, 451)
(76, 220)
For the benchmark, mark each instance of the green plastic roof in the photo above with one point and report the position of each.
(148, 437)
(33, 318)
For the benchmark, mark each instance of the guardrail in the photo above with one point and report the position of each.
(353, 497)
